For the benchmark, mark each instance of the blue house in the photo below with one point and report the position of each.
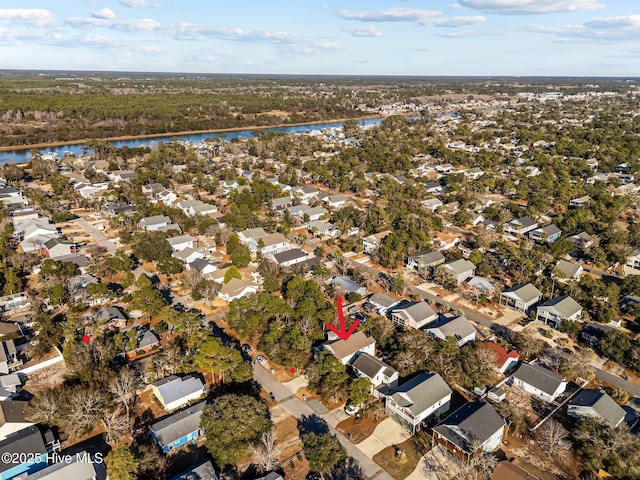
(178, 429)
(548, 234)
(27, 448)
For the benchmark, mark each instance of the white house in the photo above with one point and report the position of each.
(633, 260)
(595, 403)
(504, 359)
(181, 242)
(346, 350)
(371, 243)
(521, 297)
(290, 257)
(235, 289)
(553, 312)
(417, 401)
(188, 255)
(520, 226)
(175, 392)
(272, 243)
(457, 327)
(376, 371)
(539, 382)
(459, 269)
(154, 223)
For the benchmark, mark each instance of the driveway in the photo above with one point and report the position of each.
(386, 434)
(103, 241)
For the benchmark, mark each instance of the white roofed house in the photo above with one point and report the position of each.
(323, 228)
(459, 269)
(557, 310)
(413, 314)
(633, 262)
(175, 392)
(181, 242)
(473, 428)
(346, 350)
(376, 371)
(371, 243)
(432, 204)
(539, 382)
(457, 327)
(521, 297)
(382, 303)
(154, 223)
(419, 400)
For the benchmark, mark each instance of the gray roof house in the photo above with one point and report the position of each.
(592, 402)
(175, 392)
(419, 400)
(348, 285)
(472, 427)
(382, 303)
(549, 233)
(290, 257)
(59, 247)
(569, 270)
(521, 297)
(520, 226)
(154, 223)
(457, 327)
(413, 314)
(553, 312)
(179, 428)
(460, 269)
(539, 382)
(378, 372)
(203, 471)
(581, 240)
(424, 260)
(78, 468)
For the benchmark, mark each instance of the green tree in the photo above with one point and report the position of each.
(213, 356)
(323, 451)
(449, 346)
(12, 282)
(232, 272)
(121, 464)
(476, 257)
(231, 424)
(57, 294)
(360, 391)
(149, 300)
(241, 256)
(151, 246)
(120, 261)
(170, 266)
(58, 269)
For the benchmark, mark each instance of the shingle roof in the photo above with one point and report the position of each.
(371, 366)
(173, 388)
(273, 239)
(525, 293)
(420, 393)
(416, 311)
(428, 258)
(459, 266)
(344, 348)
(204, 471)
(457, 327)
(539, 377)
(474, 420)
(568, 269)
(27, 441)
(289, 255)
(602, 404)
(382, 300)
(78, 469)
(564, 306)
(179, 424)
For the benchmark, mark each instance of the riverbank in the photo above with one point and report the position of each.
(170, 134)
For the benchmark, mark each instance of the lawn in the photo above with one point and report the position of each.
(400, 467)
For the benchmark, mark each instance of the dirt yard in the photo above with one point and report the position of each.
(401, 466)
(357, 432)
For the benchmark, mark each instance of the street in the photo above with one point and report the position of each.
(103, 241)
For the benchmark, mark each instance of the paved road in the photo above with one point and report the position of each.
(617, 382)
(296, 407)
(103, 241)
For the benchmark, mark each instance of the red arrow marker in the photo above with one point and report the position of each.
(343, 333)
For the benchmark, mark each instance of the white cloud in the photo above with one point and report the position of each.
(139, 3)
(425, 18)
(366, 31)
(530, 7)
(627, 21)
(124, 25)
(37, 17)
(621, 28)
(104, 13)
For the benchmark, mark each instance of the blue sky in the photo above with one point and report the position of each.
(376, 37)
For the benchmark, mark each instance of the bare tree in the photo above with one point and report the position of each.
(84, 410)
(553, 437)
(191, 278)
(342, 265)
(210, 291)
(266, 453)
(123, 387)
(116, 425)
(43, 408)
(484, 465)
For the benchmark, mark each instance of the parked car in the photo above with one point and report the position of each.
(351, 409)
(261, 360)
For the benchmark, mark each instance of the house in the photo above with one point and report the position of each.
(203, 471)
(376, 371)
(510, 470)
(112, 316)
(175, 392)
(569, 270)
(235, 289)
(152, 189)
(154, 223)
(548, 234)
(504, 359)
(521, 297)
(34, 227)
(579, 202)
(181, 242)
(446, 240)
(178, 429)
(382, 303)
(10, 386)
(347, 284)
(23, 214)
(424, 260)
(413, 314)
(76, 467)
(272, 243)
(323, 228)
(298, 210)
(346, 350)
(371, 243)
(118, 176)
(459, 269)
(8, 357)
(595, 403)
(457, 327)
(520, 226)
(146, 342)
(279, 204)
(633, 260)
(496, 394)
(582, 240)
(475, 426)
(482, 286)
(188, 255)
(539, 382)
(202, 265)
(250, 236)
(553, 312)
(229, 185)
(434, 187)
(13, 417)
(306, 193)
(476, 219)
(451, 208)
(592, 332)
(29, 448)
(290, 257)
(432, 204)
(166, 197)
(335, 201)
(314, 213)
(191, 208)
(271, 476)
(418, 401)
(59, 247)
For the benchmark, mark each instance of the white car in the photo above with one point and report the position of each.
(261, 360)
(351, 409)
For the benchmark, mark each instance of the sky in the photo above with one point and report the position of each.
(374, 37)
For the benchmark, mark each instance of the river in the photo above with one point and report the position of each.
(24, 155)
